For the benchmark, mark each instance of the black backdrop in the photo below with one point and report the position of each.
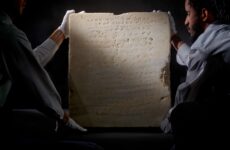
(42, 17)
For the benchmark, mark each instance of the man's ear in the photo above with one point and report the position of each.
(206, 16)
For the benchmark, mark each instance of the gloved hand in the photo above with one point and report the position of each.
(171, 21)
(156, 11)
(64, 25)
(172, 24)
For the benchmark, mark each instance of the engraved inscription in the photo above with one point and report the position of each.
(118, 69)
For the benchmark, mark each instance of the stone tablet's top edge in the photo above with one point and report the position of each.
(124, 13)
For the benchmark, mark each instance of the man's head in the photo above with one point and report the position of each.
(200, 13)
(13, 8)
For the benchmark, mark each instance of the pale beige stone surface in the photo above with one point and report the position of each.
(119, 69)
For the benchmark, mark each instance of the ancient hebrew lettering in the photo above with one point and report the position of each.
(119, 69)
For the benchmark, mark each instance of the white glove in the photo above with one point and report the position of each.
(171, 21)
(64, 25)
(156, 11)
(172, 24)
(81, 12)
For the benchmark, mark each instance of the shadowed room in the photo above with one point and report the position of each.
(42, 17)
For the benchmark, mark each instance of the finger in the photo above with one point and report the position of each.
(81, 12)
(71, 11)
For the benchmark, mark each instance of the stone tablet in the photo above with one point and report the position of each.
(119, 69)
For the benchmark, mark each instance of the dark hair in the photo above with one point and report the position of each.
(219, 8)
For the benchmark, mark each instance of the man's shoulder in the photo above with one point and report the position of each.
(10, 34)
(8, 38)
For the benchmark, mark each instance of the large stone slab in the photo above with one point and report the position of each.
(119, 69)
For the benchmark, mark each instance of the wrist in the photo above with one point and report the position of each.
(176, 41)
(58, 36)
(62, 29)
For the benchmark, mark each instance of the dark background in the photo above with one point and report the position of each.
(42, 17)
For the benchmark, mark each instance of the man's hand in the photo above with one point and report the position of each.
(171, 21)
(64, 25)
(172, 24)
